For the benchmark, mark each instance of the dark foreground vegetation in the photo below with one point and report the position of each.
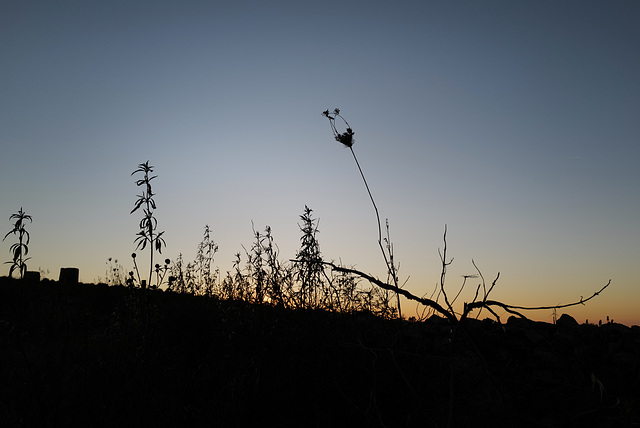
(93, 355)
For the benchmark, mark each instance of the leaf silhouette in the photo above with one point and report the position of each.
(138, 204)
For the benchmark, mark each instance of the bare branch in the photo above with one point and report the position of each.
(468, 307)
(443, 258)
(405, 293)
(512, 308)
(493, 284)
(484, 288)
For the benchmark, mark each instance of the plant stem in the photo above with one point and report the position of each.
(372, 201)
(386, 260)
(151, 250)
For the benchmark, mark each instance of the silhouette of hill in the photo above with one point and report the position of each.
(94, 355)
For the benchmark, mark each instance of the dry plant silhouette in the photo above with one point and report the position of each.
(480, 300)
(114, 274)
(346, 138)
(309, 270)
(19, 249)
(259, 276)
(198, 277)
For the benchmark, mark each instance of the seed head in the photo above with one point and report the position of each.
(346, 137)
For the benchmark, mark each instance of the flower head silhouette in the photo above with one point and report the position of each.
(346, 137)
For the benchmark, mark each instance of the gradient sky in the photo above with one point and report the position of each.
(514, 123)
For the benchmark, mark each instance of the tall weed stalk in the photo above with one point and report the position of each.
(347, 139)
(148, 233)
(20, 249)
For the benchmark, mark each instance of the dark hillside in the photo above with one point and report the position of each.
(92, 355)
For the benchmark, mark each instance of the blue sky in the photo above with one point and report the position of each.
(514, 123)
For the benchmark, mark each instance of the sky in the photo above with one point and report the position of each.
(515, 124)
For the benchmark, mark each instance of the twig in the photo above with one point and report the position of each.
(443, 258)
